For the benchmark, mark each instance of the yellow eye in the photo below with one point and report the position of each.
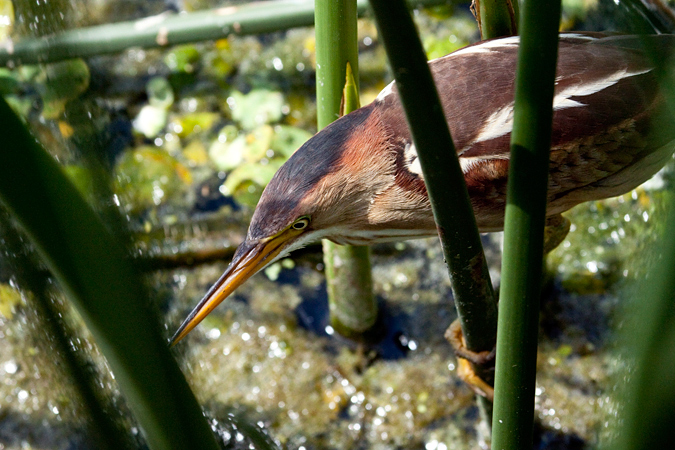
(301, 223)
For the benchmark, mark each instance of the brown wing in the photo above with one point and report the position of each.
(605, 102)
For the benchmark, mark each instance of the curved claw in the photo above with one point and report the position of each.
(466, 358)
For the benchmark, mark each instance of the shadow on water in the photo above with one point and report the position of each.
(18, 430)
(387, 339)
(545, 438)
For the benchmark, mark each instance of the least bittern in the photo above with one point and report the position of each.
(358, 181)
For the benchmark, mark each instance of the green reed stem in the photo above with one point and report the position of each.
(462, 248)
(353, 309)
(95, 272)
(170, 29)
(649, 334)
(497, 18)
(520, 290)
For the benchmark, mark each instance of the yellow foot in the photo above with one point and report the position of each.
(476, 384)
(465, 359)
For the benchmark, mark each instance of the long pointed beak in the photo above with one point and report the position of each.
(250, 258)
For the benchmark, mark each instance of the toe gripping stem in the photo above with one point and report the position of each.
(556, 230)
(466, 360)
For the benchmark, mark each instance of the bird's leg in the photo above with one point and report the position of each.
(557, 228)
(475, 10)
(455, 336)
(466, 357)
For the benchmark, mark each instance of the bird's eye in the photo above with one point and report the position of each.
(301, 223)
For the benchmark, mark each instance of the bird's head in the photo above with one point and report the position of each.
(327, 189)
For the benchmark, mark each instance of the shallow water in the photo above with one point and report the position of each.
(267, 354)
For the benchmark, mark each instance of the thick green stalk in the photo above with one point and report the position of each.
(169, 29)
(336, 45)
(648, 414)
(353, 309)
(95, 272)
(650, 332)
(50, 327)
(524, 226)
(497, 18)
(474, 297)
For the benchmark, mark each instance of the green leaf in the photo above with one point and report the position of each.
(258, 107)
(160, 93)
(64, 81)
(148, 177)
(182, 58)
(288, 139)
(8, 81)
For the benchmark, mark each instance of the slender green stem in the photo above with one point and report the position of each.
(474, 297)
(524, 226)
(169, 29)
(95, 272)
(353, 309)
(335, 47)
(497, 18)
